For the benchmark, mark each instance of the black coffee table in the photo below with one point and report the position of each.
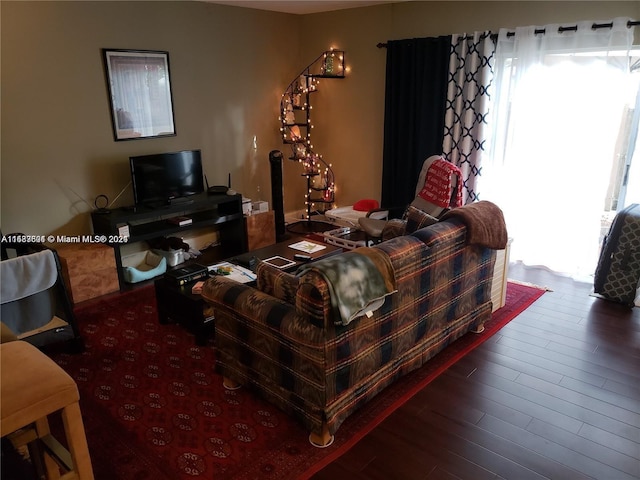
(176, 304)
(283, 249)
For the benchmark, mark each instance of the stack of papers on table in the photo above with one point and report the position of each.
(234, 272)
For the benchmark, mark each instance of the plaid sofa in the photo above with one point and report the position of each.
(280, 337)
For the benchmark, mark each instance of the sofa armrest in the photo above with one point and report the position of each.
(276, 282)
(242, 299)
(309, 293)
(257, 311)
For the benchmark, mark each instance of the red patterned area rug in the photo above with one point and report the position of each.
(155, 409)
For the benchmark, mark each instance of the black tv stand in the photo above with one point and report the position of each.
(181, 201)
(171, 202)
(152, 206)
(221, 213)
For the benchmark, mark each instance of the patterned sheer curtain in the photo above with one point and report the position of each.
(560, 98)
(471, 66)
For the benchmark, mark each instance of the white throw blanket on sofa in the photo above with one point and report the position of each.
(356, 284)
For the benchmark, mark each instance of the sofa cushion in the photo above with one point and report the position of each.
(277, 283)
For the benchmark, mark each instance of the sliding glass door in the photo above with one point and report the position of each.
(564, 124)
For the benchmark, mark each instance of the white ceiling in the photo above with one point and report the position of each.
(301, 7)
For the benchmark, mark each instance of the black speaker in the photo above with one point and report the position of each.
(277, 192)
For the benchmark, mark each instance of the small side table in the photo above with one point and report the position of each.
(178, 305)
(261, 229)
(89, 270)
(500, 272)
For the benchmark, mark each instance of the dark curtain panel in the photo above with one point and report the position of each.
(415, 97)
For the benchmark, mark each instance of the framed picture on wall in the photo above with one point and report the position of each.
(139, 91)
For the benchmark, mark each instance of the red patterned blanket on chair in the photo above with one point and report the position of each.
(439, 184)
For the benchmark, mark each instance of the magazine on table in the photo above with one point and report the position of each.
(234, 272)
(307, 247)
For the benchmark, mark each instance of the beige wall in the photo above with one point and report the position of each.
(229, 67)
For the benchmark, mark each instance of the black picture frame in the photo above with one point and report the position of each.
(140, 97)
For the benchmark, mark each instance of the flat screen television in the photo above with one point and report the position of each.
(165, 178)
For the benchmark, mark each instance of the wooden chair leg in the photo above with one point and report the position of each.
(51, 467)
(74, 428)
(38, 459)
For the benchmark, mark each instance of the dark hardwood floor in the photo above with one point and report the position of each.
(554, 394)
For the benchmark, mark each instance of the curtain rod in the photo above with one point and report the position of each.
(574, 28)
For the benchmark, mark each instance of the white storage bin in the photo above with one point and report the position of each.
(173, 257)
(259, 207)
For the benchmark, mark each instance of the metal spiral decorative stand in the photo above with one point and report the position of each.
(296, 126)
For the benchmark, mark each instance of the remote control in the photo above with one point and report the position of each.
(300, 256)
